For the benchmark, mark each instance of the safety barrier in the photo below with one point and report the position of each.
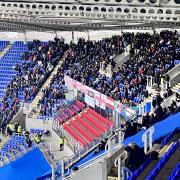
(83, 151)
(91, 162)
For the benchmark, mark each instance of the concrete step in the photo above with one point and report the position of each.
(5, 50)
(4, 139)
(177, 86)
(110, 177)
(165, 149)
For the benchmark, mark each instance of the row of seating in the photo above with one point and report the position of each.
(36, 131)
(162, 161)
(3, 43)
(15, 146)
(175, 174)
(73, 109)
(136, 173)
(94, 122)
(168, 137)
(87, 126)
(13, 55)
(100, 118)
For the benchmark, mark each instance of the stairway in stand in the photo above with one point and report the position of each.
(176, 88)
(5, 50)
(34, 103)
(3, 139)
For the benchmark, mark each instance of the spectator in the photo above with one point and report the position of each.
(177, 98)
(29, 142)
(61, 143)
(16, 127)
(159, 99)
(133, 153)
(37, 138)
(19, 129)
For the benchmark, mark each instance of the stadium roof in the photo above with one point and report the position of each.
(84, 15)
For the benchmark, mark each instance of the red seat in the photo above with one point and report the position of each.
(81, 131)
(65, 115)
(75, 107)
(74, 135)
(88, 127)
(74, 110)
(94, 122)
(70, 112)
(100, 118)
(80, 104)
(59, 119)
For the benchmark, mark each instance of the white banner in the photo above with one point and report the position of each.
(90, 101)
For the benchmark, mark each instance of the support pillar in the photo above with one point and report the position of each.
(148, 140)
(88, 35)
(73, 35)
(25, 38)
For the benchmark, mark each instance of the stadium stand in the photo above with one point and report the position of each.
(136, 90)
(14, 148)
(151, 55)
(8, 91)
(81, 52)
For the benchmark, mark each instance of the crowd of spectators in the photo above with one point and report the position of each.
(151, 55)
(103, 51)
(149, 119)
(38, 64)
(135, 156)
(53, 96)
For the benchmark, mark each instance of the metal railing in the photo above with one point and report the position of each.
(114, 140)
(1, 132)
(66, 134)
(114, 148)
(83, 151)
(63, 107)
(118, 163)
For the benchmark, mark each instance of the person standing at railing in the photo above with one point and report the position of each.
(9, 129)
(61, 143)
(19, 129)
(16, 126)
(37, 138)
(29, 142)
